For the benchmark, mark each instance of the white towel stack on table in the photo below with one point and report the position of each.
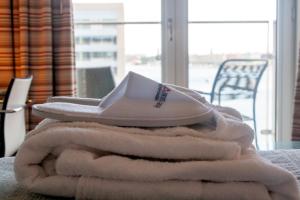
(211, 160)
(95, 161)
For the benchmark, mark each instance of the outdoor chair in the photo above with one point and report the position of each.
(95, 82)
(238, 79)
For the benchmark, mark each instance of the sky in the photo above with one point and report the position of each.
(203, 38)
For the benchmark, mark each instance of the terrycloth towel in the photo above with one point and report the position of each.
(93, 161)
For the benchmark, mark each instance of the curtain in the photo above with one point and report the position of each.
(36, 38)
(296, 120)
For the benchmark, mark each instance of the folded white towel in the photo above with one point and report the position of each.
(171, 143)
(93, 161)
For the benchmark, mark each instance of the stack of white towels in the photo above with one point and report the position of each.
(210, 161)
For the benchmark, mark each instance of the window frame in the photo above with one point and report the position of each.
(286, 68)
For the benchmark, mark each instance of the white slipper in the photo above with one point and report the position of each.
(136, 101)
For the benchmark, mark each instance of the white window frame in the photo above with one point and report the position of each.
(175, 42)
(286, 68)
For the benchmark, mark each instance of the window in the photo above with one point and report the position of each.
(86, 55)
(181, 42)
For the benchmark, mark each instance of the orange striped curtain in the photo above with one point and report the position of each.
(296, 120)
(36, 38)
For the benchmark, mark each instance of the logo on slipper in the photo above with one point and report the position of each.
(161, 95)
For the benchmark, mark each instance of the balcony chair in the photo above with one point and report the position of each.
(95, 82)
(12, 116)
(238, 79)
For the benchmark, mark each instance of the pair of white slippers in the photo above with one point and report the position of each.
(136, 102)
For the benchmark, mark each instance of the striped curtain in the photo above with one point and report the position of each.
(296, 120)
(36, 38)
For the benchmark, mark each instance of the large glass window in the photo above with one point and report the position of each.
(179, 41)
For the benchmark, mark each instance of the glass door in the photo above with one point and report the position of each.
(235, 29)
